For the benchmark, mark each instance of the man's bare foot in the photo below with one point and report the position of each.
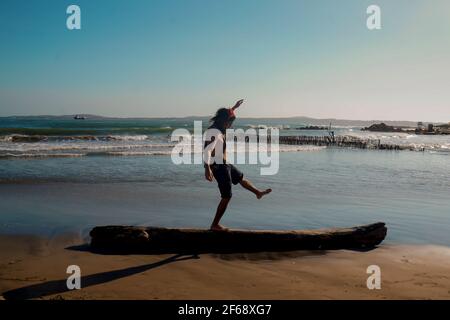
(263, 193)
(218, 228)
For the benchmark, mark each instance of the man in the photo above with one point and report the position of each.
(225, 173)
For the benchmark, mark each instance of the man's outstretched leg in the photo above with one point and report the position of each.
(223, 204)
(249, 186)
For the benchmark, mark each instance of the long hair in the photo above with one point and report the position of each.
(221, 118)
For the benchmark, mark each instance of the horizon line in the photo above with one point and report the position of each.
(205, 116)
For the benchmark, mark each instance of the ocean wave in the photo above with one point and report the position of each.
(303, 148)
(41, 155)
(45, 147)
(17, 138)
(84, 131)
(5, 138)
(78, 155)
(129, 137)
(269, 127)
(138, 153)
(67, 151)
(410, 141)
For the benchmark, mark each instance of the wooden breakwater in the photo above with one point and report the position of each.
(339, 141)
(336, 141)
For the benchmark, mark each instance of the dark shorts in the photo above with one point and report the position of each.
(225, 175)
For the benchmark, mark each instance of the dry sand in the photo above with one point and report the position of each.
(32, 267)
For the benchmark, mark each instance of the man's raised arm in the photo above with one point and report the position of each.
(237, 104)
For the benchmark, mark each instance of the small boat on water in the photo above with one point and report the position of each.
(79, 117)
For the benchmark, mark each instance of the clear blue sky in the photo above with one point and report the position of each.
(188, 57)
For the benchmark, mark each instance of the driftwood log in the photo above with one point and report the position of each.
(128, 239)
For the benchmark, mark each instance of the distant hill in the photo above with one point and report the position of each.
(62, 117)
(344, 122)
(305, 120)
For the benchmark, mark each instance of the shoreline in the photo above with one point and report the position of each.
(34, 267)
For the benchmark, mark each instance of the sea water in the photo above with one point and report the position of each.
(67, 176)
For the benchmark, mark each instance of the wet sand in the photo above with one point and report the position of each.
(35, 268)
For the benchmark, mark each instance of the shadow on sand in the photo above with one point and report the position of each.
(60, 286)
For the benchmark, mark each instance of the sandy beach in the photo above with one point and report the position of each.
(35, 268)
(311, 124)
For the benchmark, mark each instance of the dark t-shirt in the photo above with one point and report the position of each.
(224, 144)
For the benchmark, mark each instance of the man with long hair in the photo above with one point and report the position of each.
(225, 173)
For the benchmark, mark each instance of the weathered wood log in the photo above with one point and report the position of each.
(128, 239)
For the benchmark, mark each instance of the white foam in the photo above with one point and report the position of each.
(42, 155)
(5, 138)
(138, 153)
(129, 138)
(77, 146)
(412, 141)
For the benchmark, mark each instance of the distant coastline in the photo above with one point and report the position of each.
(307, 120)
(430, 129)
